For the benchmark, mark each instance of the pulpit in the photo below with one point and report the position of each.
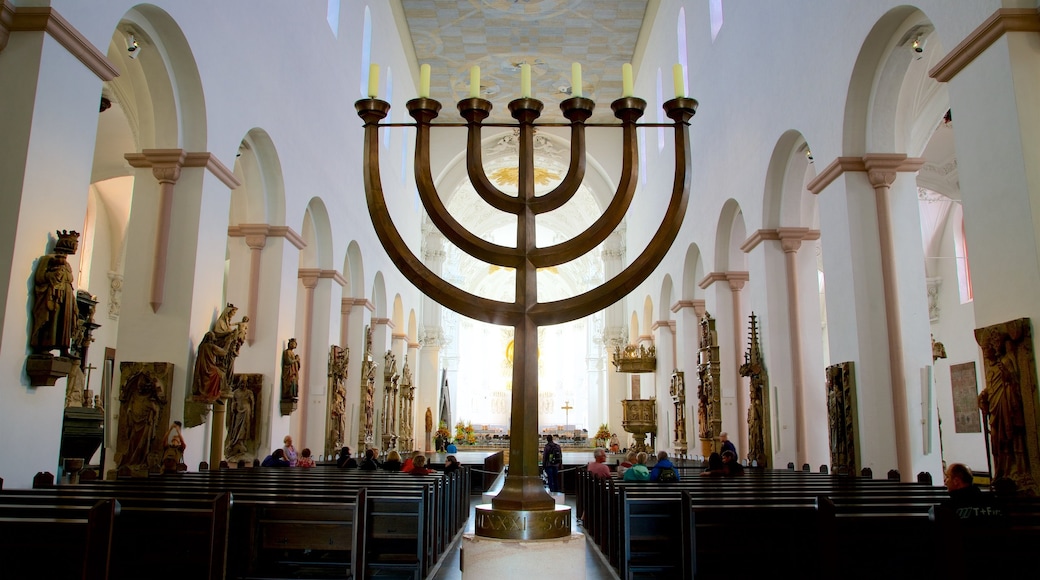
(639, 417)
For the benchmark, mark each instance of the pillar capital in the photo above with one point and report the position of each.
(309, 277)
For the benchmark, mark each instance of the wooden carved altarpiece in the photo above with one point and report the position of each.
(843, 433)
(709, 388)
(760, 439)
(336, 420)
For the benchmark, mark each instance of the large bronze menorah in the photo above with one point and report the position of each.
(523, 509)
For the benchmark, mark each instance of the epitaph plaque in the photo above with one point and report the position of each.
(964, 383)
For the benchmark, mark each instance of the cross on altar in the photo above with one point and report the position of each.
(567, 412)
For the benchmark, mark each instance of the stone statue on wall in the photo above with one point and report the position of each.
(709, 395)
(240, 423)
(1010, 402)
(54, 307)
(215, 357)
(390, 378)
(406, 419)
(143, 398)
(368, 387)
(290, 372)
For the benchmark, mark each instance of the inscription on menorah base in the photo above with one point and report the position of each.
(523, 524)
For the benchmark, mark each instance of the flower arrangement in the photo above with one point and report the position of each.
(471, 437)
(442, 430)
(460, 431)
(603, 433)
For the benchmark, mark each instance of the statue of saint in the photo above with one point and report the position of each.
(429, 421)
(240, 431)
(54, 306)
(173, 443)
(1001, 400)
(140, 405)
(208, 380)
(290, 372)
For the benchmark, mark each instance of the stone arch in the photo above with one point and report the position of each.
(354, 271)
(693, 273)
(730, 234)
(317, 233)
(379, 296)
(164, 84)
(648, 316)
(397, 315)
(261, 197)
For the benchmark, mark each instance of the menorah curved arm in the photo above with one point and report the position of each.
(424, 111)
(427, 281)
(629, 110)
(577, 110)
(475, 110)
(575, 307)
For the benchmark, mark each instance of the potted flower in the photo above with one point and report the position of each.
(602, 435)
(442, 437)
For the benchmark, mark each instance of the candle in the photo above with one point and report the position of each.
(373, 81)
(576, 79)
(626, 80)
(677, 78)
(474, 82)
(525, 81)
(424, 81)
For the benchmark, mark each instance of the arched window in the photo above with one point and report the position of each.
(960, 249)
(715, 17)
(332, 16)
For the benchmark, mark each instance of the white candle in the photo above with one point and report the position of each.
(576, 79)
(677, 78)
(474, 82)
(424, 81)
(525, 81)
(626, 80)
(373, 81)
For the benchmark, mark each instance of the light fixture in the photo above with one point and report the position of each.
(808, 154)
(918, 44)
(132, 47)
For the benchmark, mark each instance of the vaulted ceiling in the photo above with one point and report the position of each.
(499, 35)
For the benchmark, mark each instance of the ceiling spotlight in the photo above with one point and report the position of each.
(132, 48)
(918, 44)
(565, 89)
(808, 155)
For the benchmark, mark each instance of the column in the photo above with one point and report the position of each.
(664, 338)
(736, 284)
(309, 279)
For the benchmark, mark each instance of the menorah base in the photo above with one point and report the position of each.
(523, 524)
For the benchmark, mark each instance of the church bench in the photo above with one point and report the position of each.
(988, 544)
(35, 532)
(269, 504)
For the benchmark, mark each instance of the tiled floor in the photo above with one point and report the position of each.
(595, 567)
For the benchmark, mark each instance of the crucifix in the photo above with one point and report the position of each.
(566, 412)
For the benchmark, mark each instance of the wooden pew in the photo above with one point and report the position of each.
(56, 540)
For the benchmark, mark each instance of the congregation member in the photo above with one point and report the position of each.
(276, 459)
(419, 466)
(289, 451)
(664, 471)
(727, 445)
(408, 462)
(344, 460)
(305, 458)
(393, 461)
(630, 460)
(638, 472)
(715, 466)
(598, 467)
(552, 459)
(369, 463)
(730, 465)
(966, 499)
(451, 464)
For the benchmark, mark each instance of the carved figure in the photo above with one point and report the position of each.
(173, 444)
(215, 359)
(54, 299)
(290, 372)
(429, 421)
(140, 405)
(1006, 350)
(336, 436)
(240, 432)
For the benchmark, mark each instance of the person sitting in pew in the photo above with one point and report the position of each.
(305, 458)
(370, 463)
(664, 471)
(408, 462)
(451, 464)
(966, 499)
(419, 466)
(715, 466)
(630, 460)
(638, 472)
(598, 466)
(393, 461)
(276, 459)
(344, 460)
(730, 465)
